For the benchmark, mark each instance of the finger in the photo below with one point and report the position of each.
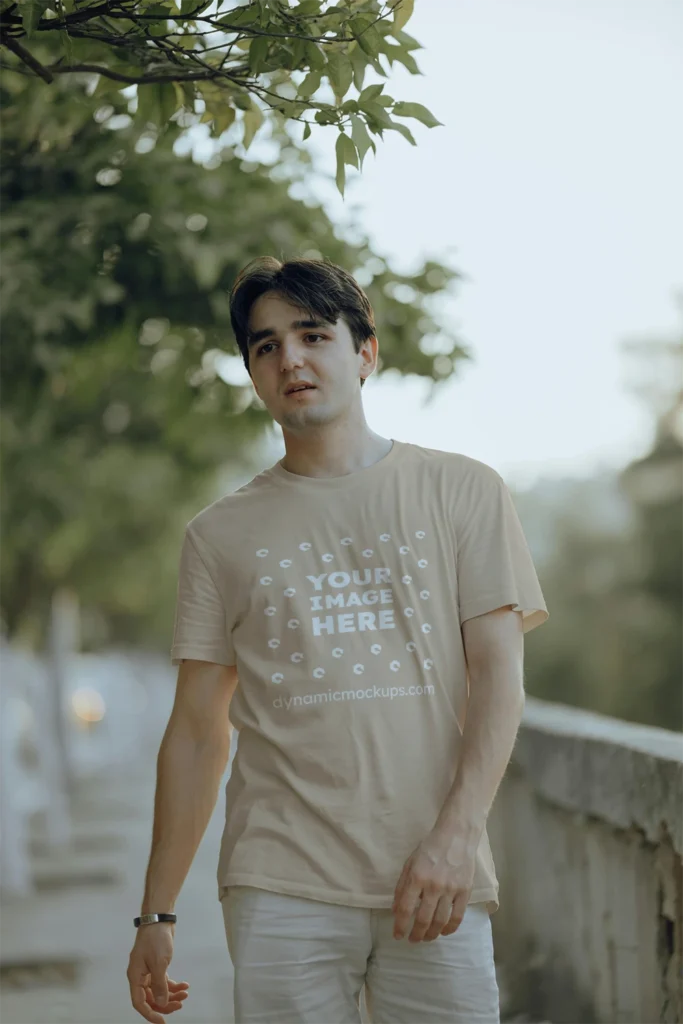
(455, 920)
(170, 1007)
(139, 1000)
(175, 986)
(177, 989)
(423, 918)
(159, 987)
(172, 997)
(442, 915)
(405, 909)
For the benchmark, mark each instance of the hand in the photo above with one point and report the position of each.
(152, 992)
(436, 881)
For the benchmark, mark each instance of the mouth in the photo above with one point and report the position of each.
(297, 389)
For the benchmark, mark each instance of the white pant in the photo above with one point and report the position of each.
(301, 961)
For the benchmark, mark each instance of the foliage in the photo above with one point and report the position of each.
(117, 259)
(263, 61)
(615, 596)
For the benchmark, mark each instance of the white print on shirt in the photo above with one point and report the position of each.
(353, 601)
(350, 622)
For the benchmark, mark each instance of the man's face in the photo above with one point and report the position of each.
(288, 349)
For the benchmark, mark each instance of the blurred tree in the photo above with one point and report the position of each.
(655, 486)
(117, 353)
(613, 643)
(224, 64)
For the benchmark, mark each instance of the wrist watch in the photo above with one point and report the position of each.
(153, 918)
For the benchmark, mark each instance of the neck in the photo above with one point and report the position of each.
(334, 449)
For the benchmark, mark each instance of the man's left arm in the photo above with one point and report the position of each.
(441, 868)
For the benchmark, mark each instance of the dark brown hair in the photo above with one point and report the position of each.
(320, 287)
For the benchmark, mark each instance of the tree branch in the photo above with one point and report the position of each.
(27, 58)
(117, 76)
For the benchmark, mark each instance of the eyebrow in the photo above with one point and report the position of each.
(255, 336)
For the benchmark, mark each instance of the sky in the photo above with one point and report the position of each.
(554, 186)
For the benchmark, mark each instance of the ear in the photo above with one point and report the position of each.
(368, 352)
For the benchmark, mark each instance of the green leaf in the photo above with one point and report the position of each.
(188, 6)
(348, 149)
(31, 13)
(315, 56)
(378, 114)
(253, 119)
(325, 116)
(159, 27)
(406, 59)
(370, 42)
(403, 10)
(361, 139)
(307, 131)
(223, 117)
(241, 16)
(310, 84)
(168, 102)
(340, 176)
(340, 74)
(370, 93)
(359, 65)
(242, 100)
(157, 102)
(366, 35)
(306, 8)
(408, 42)
(405, 132)
(298, 54)
(417, 111)
(258, 54)
(67, 46)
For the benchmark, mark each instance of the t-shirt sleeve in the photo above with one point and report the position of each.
(494, 564)
(201, 628)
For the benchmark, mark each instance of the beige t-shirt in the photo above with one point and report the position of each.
(340, 602)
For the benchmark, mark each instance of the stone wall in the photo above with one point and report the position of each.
(587, 836)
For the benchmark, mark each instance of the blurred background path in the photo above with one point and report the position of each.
(80, 918)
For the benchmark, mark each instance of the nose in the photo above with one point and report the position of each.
(291, 354)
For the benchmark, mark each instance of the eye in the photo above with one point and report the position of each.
(315, 336)
(263, 348)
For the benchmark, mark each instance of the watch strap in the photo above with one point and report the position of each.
(153, 918)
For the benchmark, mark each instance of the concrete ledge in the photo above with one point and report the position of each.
(587, 838)
(620, 772)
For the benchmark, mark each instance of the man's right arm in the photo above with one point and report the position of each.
(192, 759)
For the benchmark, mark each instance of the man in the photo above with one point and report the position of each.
(338, 608)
